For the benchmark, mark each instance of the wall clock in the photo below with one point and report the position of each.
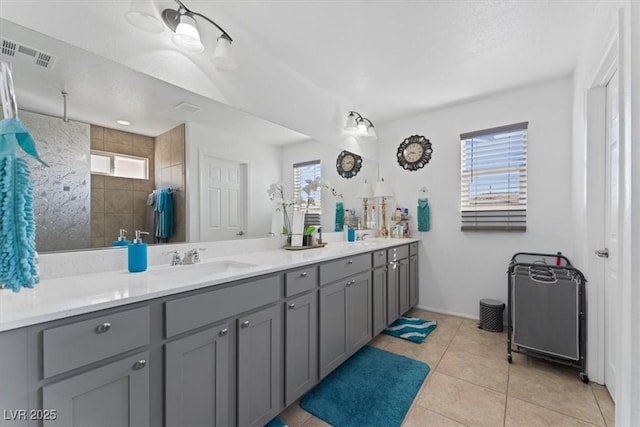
(414, 152)
(348, 164)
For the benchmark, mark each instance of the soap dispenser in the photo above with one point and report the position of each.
(122, 239)
(138, 253)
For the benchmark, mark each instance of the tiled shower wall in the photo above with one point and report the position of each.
(170, 172)
(61, 197)
(119, 202)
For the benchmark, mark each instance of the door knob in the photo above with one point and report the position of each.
(240, 233)
(604, 253)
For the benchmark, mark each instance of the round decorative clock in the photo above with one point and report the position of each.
(414, 152)
(348, 164)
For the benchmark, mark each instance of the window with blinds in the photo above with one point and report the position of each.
(303, 172)
(494, 179)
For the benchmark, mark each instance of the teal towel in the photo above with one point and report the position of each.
(339, 217)
(424, 215)
(17, 225)
(164, 215)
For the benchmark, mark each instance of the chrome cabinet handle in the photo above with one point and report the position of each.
(223, 333)
(351, 282)
(292, 306)
(604, 253)
(380, 253)
(140, 364)
(245, 324)
(303, 274)
(350, 262)
(101, 329)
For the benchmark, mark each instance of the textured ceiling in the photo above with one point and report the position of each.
(304, 64)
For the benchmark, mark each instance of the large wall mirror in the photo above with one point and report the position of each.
(194, 145)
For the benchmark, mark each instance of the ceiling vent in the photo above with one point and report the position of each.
(21, 52)
(189, 108)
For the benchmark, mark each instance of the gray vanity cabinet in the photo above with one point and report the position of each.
(113, 394)
(392, 292)
(404, 303)
(301, 346)
(413, 280)
(379, 300)
(197, 378)
(345, 320)
(259, 366)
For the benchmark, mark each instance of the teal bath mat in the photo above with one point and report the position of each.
(373, 388)
(411, 328)
(275, 423)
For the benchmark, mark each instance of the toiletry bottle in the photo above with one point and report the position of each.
(122, 239)
(138, 253)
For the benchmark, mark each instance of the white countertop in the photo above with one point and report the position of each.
(73, 295)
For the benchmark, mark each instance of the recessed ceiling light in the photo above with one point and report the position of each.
(123, 122)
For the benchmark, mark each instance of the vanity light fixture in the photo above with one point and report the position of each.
(183, 23)
(360, 126)
(143, 15)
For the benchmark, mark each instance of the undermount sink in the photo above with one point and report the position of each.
(201, 269)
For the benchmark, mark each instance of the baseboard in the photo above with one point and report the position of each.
(447, 312)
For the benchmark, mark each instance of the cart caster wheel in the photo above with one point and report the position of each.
(509, 358)
(584, 378)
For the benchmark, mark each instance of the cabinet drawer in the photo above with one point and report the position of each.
(413, 248)
(336, 270)
(78, 344)
(301, 280)
(191, 312)
(397, 253)
(379, 258)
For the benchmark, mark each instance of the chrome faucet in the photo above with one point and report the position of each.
(175, 258)
(361, 236)
(192, 256)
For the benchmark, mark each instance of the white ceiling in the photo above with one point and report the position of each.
(304, 64)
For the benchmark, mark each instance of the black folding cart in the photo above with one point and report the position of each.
(547, 310)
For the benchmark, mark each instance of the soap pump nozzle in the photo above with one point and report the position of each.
(138, 238)
(122, 235)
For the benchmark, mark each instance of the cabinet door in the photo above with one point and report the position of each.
(392, 292)
(379, 297)
(403, 286)
(197, 379)
(334, 344)
(259, 366)
(359, 311)
(413, 281)
(301, 342)
(116, 394)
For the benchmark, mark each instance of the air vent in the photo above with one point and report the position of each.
(25, 53)
(189, 108)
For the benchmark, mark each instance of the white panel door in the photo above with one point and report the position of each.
(222, 199)
(611, 283)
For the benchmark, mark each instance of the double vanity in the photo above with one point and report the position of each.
(228, 341)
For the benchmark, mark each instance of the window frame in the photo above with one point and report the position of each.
(503, 210)
(112, 160)
(297, 189)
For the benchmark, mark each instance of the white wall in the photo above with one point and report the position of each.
(263, 163)
(328, 154)
(458, 269)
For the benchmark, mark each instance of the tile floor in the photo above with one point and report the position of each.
(471, 384)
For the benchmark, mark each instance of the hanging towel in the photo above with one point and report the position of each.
(18, 266)
(339, 217)
(164, 215)
(424, 215)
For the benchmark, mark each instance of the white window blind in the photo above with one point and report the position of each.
(303, 172)
(494, 179)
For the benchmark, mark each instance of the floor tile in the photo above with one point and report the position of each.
(524, 414)
(294, 415)
(462, 401)
(445, 331)
(482, 371)
(315, 422)
(480, 344)
(607, 407)
(381, 341)
(554, 387)
(469, 326)
(427, 352)
(421, 417)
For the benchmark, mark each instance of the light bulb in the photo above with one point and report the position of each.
(187, 35)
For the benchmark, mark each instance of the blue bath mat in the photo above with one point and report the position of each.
(275, 423)
(373, 388)
(411, 328)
